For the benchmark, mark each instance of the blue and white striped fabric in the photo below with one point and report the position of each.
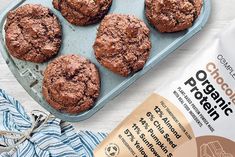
(55, 139)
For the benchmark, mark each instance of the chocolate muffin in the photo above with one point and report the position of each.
(172, 15)
(33, 33)
(83, 12)
(71, 84)
(122, 44)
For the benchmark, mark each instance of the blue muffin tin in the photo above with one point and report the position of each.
(79, 40)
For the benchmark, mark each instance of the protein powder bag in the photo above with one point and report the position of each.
(192, 117)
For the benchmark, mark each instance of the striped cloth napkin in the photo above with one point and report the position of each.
(54, 139)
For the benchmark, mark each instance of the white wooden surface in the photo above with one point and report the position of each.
(115, 111)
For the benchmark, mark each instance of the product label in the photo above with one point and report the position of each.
(193, 116)
(158, 129)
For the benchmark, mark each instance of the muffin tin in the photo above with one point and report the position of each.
(79, 40)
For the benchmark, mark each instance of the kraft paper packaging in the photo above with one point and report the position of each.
(192, 116)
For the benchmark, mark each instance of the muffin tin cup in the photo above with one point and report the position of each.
(79, 40)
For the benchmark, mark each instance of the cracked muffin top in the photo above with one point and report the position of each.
(122, 44)
(71, 84)
(83, 12)
(172, 15)
(33, 33)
